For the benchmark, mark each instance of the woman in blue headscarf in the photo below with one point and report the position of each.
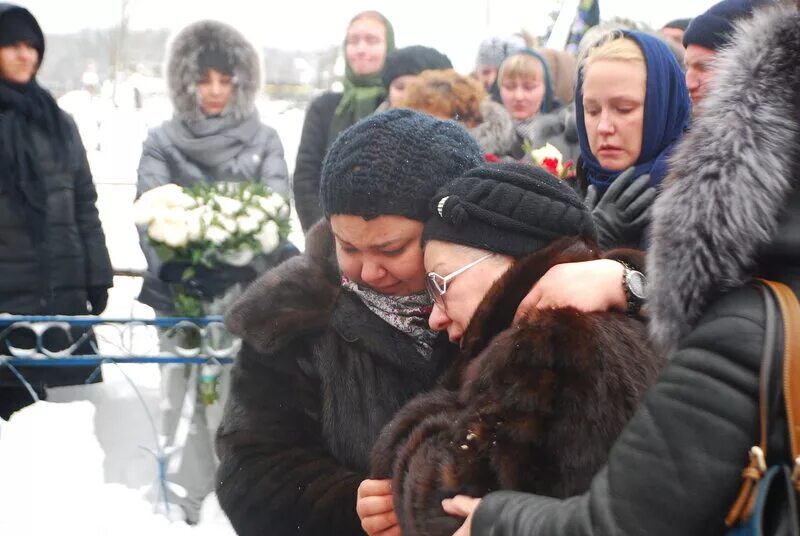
(631, 106)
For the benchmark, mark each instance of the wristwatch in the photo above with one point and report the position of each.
(634, 283)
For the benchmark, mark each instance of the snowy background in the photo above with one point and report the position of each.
(77, 464)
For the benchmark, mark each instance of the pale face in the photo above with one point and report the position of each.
(18, 62)
(398, 87)
(613, 102)
(384, 254)
(487, 74)
(464, 292)
(365, 46)
(215, 91)
(523, 96)
(699, 63)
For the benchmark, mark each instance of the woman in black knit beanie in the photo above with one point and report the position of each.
(336, 340)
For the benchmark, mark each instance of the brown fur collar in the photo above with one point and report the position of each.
(496, 311)
(532, 407)
(294, 298)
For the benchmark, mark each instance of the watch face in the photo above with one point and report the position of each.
(637, 283)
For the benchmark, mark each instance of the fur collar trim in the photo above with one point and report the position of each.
(182, 70)
(496, 134)
(731, 176)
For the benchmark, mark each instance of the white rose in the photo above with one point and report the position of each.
(194, 223)
(217, 235)
(170, 228)
(256, 214)
(269, 237)
(548, 151)
(227, 223)
(228, 205)
(239, 257)
(246, 224)
(274, 205)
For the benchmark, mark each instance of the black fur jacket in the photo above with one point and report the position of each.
(318, 377)
(533, 406)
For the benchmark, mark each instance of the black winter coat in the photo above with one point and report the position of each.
(318, 377)
(676, 468)
(53, 277)
(533, 407)
(314, 143)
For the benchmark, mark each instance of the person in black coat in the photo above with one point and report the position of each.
(370, 37)
(532, 405)
(676, 468)
(53, 256)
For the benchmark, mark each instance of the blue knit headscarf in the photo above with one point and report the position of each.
(667, 113)
(547, 101)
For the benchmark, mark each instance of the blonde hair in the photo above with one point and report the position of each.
(522, 66)
(614, 46)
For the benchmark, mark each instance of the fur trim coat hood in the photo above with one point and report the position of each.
(531, 407)
(183, 70)
(743, 154)
(496, 134)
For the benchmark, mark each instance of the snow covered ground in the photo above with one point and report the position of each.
(78, 463)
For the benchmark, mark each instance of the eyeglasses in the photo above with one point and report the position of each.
(436, 284)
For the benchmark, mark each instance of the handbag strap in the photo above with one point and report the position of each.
(789, 308)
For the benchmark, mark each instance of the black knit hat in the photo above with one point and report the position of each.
(18, 25)
(512, 209)
(412, 60)
(392, 163)
(714, 28)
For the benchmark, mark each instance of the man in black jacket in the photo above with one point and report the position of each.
(53, 256)
(676, 467)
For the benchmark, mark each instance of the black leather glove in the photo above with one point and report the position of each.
(98, 299)
(172, 272)
(213, 282)
(623, 213)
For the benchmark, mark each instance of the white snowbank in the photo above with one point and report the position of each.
(52, 481)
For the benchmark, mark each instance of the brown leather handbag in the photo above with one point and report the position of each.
(768, 501)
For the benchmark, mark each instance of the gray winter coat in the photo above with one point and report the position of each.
(676, 468)
(260, 154)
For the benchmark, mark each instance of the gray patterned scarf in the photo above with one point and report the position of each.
(407, 314)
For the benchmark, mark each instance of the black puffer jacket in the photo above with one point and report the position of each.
(53, 277)
(317, 379)
(676, 467)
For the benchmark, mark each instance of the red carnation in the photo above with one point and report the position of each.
(551, 165)
(489, 157)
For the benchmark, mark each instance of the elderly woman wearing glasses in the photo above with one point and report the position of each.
(533, 405)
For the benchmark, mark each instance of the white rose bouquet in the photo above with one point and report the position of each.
(209, 226)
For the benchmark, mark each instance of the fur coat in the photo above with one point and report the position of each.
(730, 212)
(533, 406)
(495, 134)
(318, 377)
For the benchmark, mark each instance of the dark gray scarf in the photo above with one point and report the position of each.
(407, 314)
(212, 141)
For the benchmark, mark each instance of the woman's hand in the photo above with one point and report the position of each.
(375, 507)
(622, 214)
(462, 506)
(590, 286)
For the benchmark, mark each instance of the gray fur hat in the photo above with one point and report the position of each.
(183, 67)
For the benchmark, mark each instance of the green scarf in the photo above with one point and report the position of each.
(362, 93)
